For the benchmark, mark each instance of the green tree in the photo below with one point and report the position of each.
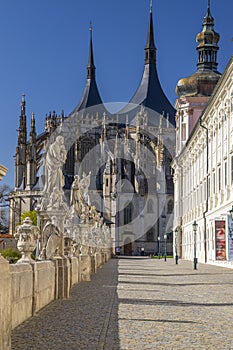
(30, 214)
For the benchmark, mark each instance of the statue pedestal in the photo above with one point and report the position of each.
(85, 267)
(93, 263)
(98, 257)
(62, 284)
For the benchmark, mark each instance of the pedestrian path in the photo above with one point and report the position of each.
(138, 303)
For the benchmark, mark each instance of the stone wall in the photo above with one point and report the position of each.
(5, 305)
(21, 292)
(27, 288)
(44, 284)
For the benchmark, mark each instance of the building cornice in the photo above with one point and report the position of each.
(3, 171)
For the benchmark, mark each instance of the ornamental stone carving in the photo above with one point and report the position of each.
(26, 236)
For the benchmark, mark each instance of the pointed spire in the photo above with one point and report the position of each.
(33, 130)
(150, 49)
(23, 104)
(91, 65)
(22, 132)
(91, 96)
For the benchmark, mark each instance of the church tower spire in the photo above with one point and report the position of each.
(91, 96)
(204, 80)
(31, 157)
(33, 130)
(149, 92)
(22, 132)
(20, 157)
(207, 41)
(150, 49)
(91, 65)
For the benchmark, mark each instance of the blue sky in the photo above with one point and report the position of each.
(44, 50)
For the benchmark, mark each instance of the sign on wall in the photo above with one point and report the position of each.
(230, 238)
(220, 239)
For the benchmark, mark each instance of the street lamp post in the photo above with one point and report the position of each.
(195, 245)
(231, 212)
(176, 257)
(159, 246)
(165, 247)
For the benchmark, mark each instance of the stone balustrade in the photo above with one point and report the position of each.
(26, 288)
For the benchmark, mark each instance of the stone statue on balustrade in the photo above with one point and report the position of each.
(75, 197)
(79, 199)
(53, 196)
(54, 160)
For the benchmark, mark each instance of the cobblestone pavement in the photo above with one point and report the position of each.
(138, 303)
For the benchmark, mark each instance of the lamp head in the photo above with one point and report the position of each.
(195, 226)
(231, 212)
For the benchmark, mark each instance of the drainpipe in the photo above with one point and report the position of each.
(207, 184)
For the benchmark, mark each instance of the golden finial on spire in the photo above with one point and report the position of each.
(91, 27)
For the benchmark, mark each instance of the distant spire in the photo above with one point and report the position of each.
(23, 104)
(22, 132)
(150, 49)
(91, 65)
(33, 129)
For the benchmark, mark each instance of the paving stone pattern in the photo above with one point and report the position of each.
(138, 303)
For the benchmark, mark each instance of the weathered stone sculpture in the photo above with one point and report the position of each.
(54, 160)
(51, 240)
(26, 235)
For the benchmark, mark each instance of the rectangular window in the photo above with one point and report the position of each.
(208, 189)
(183, 132)
(214, 183)
(231, 169)
(225, 175)
(219, 179)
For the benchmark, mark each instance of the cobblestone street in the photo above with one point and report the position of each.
(138, 303)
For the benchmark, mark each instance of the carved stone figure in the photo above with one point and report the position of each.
(84, 185)
(55, 158)
(75, 198)
(56, 200)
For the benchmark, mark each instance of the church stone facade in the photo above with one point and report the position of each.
(128, 157)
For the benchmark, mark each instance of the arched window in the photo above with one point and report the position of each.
(150, 206)
(170, 207)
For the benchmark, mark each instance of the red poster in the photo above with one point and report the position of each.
(220, 240)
